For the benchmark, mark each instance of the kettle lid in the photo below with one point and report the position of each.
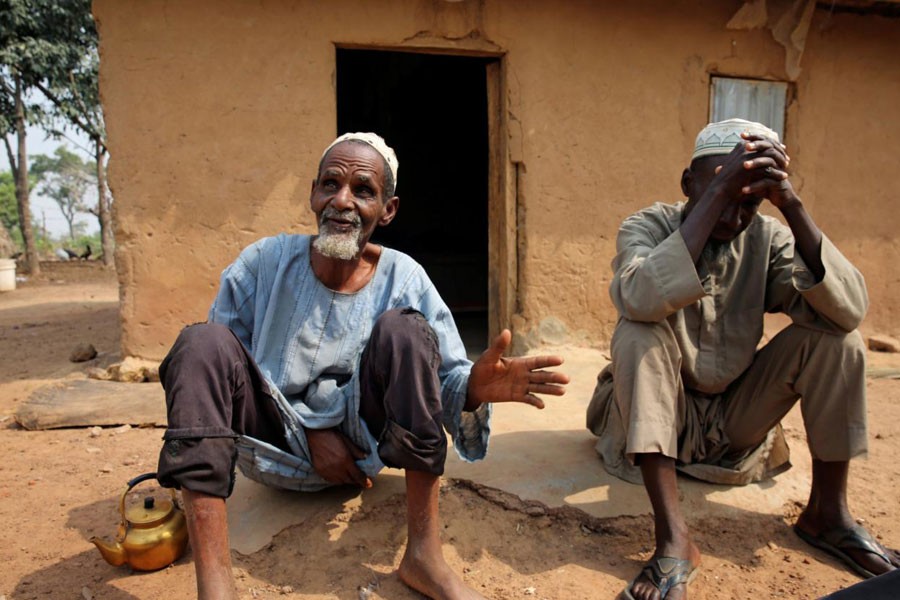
(150, 512)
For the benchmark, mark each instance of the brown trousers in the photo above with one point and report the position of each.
(215, 393)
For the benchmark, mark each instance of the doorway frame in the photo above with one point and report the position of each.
(502, 194)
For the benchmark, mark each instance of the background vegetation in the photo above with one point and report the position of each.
(48, 79)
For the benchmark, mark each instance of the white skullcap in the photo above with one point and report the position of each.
(376, 142)
(722, 137)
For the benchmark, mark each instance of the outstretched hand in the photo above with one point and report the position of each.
(498, 379)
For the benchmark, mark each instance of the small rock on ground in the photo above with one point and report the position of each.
(884, 343)
(83, 352)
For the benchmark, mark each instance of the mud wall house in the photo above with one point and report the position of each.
(526, 131)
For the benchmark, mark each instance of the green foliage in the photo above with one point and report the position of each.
(43, 243)
(52, 45)
(62, 161)
(8, 213)
(40, 41)
(9, 216)
(42, 44)
(66, 179)
(47, 245)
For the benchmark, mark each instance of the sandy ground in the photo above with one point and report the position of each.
(59, 488)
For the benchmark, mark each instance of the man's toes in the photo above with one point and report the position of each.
(892, 563)
(895, 558)
(644, 590)
(641, 591)
(871, 562)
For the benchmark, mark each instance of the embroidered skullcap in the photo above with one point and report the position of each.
(376, 142)
(722, 137)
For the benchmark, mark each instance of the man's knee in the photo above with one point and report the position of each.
(201, 343)
(852, 352)
(404, 332)
(850, 345)
(826, 351)
(204, 335)
(647, 386)
(400, 392)
(831, 380)
(405, 325)
(636, 345)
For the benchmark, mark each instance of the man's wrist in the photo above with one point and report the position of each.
(717, 194)
(471, 402)
(792, 204)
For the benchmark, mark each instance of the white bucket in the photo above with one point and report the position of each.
(7, 275)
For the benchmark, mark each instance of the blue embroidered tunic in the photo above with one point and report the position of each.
(308, 339)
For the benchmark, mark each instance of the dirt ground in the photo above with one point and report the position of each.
(59, 488)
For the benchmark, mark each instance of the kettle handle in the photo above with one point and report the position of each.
(139, 479)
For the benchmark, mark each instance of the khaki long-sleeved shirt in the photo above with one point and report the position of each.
(716, 308)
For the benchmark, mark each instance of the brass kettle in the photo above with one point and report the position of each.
(151, 536)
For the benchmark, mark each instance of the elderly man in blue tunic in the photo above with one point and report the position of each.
(324, 359)
(687, 387)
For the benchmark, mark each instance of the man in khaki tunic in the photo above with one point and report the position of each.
(687, 388)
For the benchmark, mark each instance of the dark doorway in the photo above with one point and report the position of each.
(433, 110)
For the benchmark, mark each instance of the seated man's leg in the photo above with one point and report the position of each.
(649, 393)
(213, 394)
(401, 404)
(827, 372)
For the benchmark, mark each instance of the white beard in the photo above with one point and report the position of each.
(342, 245)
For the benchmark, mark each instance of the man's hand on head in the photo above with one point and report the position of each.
(724, 191)
(764, 162)
(498, 379)
(334, 457)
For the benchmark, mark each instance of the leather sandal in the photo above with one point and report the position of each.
(664, 572)
(836, 541)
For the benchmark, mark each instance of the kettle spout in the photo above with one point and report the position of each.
(114, 554)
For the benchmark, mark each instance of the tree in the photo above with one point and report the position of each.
(36, 46)
(20, 58)
(73, 92)
(65, 178)
(13, 119)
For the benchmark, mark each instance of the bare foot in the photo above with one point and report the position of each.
(815, 525)
(643, 589)
(432, 576)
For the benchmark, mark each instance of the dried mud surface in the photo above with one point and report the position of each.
(59, 488)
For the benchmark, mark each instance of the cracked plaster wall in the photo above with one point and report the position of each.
(217, 111)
